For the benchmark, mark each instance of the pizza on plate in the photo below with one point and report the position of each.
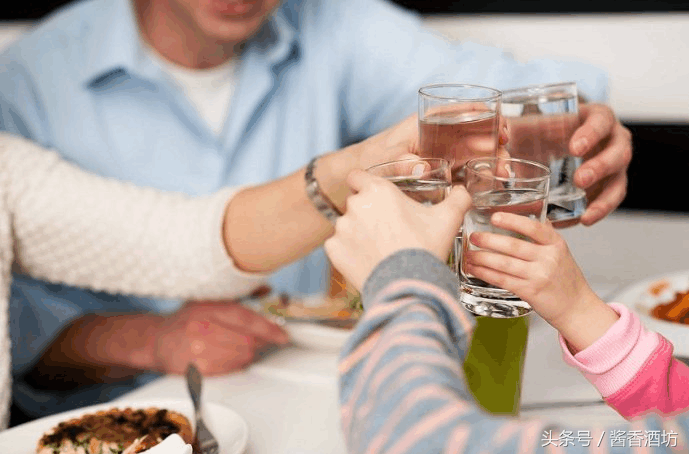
(115, 431)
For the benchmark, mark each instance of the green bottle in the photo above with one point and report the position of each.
(495, 361)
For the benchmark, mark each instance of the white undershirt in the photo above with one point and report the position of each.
(209, 90)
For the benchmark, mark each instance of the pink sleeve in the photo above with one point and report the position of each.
(633, 368)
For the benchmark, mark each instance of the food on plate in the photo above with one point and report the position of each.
(338, 312)
(115, 431)
(659, 287)
(676, 310)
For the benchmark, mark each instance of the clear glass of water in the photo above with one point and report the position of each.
(426, 180)
(541, 120)
(458, 122)
(506, 185)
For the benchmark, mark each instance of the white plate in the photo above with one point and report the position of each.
(314, 336)
(317, 337)
(228, 427)
(639, 298)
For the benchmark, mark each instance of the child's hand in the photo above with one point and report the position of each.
(542, 273)
(380, 220)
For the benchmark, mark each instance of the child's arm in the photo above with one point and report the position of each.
(631, 367)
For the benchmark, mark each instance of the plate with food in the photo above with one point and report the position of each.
(126, 428)
(663, 305)
(317, 322)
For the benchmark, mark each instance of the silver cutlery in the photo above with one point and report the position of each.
(564, 404)
(204, 439)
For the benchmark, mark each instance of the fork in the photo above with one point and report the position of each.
(204, 439)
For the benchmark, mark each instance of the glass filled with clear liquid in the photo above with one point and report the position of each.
(458, 122)
(426, 180)
(506, 185)
(542, 120)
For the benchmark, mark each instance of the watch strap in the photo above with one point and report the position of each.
(314, 193)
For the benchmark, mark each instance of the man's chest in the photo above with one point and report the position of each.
(156, 138)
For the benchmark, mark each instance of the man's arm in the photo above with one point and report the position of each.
(147, 242)
(271, 225)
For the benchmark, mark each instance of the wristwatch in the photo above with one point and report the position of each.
(314, 193)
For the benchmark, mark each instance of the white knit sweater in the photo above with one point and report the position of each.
(62, 224)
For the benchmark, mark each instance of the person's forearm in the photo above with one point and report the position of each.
(582, 326)
(115, 340)
(74, 227)
(98, 349)
(271, 225)
(402, 390)
(633, 368)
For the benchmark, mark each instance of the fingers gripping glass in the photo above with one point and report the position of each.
(541, 120)
(426, 180)
(506, 185)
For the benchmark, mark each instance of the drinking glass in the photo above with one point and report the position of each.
(458, 122)
(426, 180)
(541, 120)
(507, 185)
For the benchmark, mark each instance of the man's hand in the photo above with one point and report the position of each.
(380, 220)
(606, 146)
(218, 336)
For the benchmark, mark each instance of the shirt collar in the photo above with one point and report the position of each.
(277, 40)
(112, 43)
(113, 46)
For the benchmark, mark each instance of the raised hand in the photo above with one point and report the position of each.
(606, 146)
(380, 220)
(541, 272)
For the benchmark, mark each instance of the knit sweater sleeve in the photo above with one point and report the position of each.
(73, 227)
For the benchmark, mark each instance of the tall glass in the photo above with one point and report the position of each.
(499, 185)
(541, 120)
(495, 363)
(458, 122)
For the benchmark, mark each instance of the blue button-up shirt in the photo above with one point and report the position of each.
(320, 74)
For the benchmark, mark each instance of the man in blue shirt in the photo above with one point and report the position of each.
(193, 95)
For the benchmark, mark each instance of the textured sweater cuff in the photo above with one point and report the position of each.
(221, 259)
(417, 264)
(614, 359)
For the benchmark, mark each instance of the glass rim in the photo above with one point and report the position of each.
(545, 176)
(538, 88)
(497, 94)
(420, 159)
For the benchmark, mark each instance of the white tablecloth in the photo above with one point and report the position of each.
(289, 398)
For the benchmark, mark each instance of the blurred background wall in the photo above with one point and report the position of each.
(643, 45)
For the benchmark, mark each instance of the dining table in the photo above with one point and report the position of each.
(289, 397)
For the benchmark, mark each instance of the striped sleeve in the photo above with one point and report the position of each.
(402, 388)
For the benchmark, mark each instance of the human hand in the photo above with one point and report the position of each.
(380, 220)
(606, 146)
(543, 273)
(400, 141)
(218, 336)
